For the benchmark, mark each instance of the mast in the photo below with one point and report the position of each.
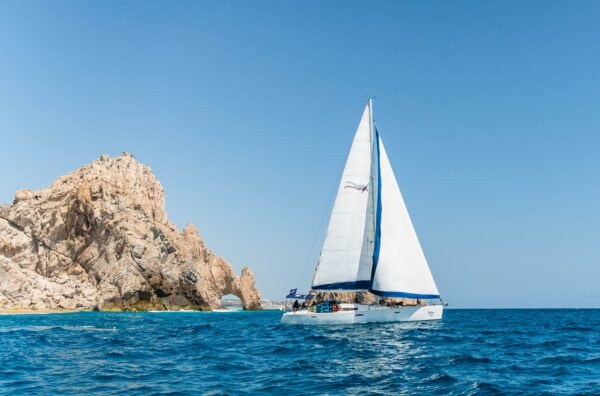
(370, 104)
(374, 158)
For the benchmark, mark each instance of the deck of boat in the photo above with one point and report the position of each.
(364, 314)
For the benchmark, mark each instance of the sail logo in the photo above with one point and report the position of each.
(359, 187)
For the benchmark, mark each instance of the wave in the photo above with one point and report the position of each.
(516, 352)
(466, 359)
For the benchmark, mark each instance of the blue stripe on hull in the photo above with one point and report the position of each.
(403, 294)
(364, 284)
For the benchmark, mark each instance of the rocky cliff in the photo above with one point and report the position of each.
(99, 238)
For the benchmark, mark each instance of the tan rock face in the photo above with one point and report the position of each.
(99, 238)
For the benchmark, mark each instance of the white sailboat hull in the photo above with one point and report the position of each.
(365, 314)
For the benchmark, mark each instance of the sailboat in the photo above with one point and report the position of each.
(370, 244)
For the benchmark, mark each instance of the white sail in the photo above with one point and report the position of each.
(346, 257)
(400, 267)
(370, 244)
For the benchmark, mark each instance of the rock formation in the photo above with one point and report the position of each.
(99, 238)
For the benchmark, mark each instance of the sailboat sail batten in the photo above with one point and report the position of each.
(343, 264)
(400, 268)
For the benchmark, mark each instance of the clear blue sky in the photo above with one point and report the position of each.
(490, 112)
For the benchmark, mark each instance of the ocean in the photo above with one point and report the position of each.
(469, 352)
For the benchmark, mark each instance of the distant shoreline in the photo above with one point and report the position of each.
(21, 311)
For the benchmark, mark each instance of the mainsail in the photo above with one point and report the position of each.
(346, 258)
(371, 243)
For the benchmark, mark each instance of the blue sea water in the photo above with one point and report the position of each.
(469, 352)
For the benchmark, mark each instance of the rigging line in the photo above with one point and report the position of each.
(312, 247)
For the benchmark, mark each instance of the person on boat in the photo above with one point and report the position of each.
(304, 305)
(296, 305)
